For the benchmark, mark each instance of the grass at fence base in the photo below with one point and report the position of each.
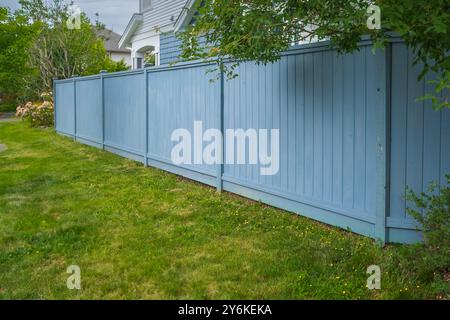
(139, 233)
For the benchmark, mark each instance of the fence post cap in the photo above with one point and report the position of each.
(103, 71)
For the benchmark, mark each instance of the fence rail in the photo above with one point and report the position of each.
(335, 114)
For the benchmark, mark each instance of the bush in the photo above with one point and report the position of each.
(7, 107)
(7, 102)
(432, 211)
(40, 114)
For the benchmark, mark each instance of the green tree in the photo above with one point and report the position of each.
(260, 30)
(435, 223)
(16, 37)
(60, 51)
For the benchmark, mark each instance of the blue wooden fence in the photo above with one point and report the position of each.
(420, 146)
(352, 135)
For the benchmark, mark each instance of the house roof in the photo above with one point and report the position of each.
(162, 17)
(187, 14)
(111, 40)
(135, 22)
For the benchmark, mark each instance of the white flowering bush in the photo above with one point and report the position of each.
(38, 114)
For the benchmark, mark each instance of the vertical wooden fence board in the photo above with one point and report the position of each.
(318, 101)
(419, 143)
(178, 98)
(65, 104)
(89, 110)
(124, 114)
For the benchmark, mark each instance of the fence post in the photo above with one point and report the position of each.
(54, 101)
(220, 166)
(383, 152)
(102, 79)
(146, 117)
(74, 107)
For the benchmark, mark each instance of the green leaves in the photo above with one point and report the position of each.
(435, 223)
(424, 26)
(36, 45)
(16, 37)
(261, 29)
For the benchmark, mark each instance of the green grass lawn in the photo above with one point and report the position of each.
(141, 233)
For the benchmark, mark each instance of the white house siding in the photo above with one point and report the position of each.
(159, 19)
(161, 13)
(117, 56)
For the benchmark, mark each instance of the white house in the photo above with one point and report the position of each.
(153, 28)
(111, 40)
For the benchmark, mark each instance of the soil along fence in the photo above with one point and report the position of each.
(352, 135)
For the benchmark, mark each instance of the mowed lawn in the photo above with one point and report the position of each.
(141, 233)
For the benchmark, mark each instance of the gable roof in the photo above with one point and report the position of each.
(111, 40)
(187, 14)
(161, 17)
(135, 22)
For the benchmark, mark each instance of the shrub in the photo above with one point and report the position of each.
(38, 114)
(432, 211)
(7, 107)
(7, 102)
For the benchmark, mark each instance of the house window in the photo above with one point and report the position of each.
(139, 63)
(145, 5)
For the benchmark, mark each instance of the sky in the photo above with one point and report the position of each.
(115, 14)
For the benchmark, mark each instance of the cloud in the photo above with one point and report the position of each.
(115, 14)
